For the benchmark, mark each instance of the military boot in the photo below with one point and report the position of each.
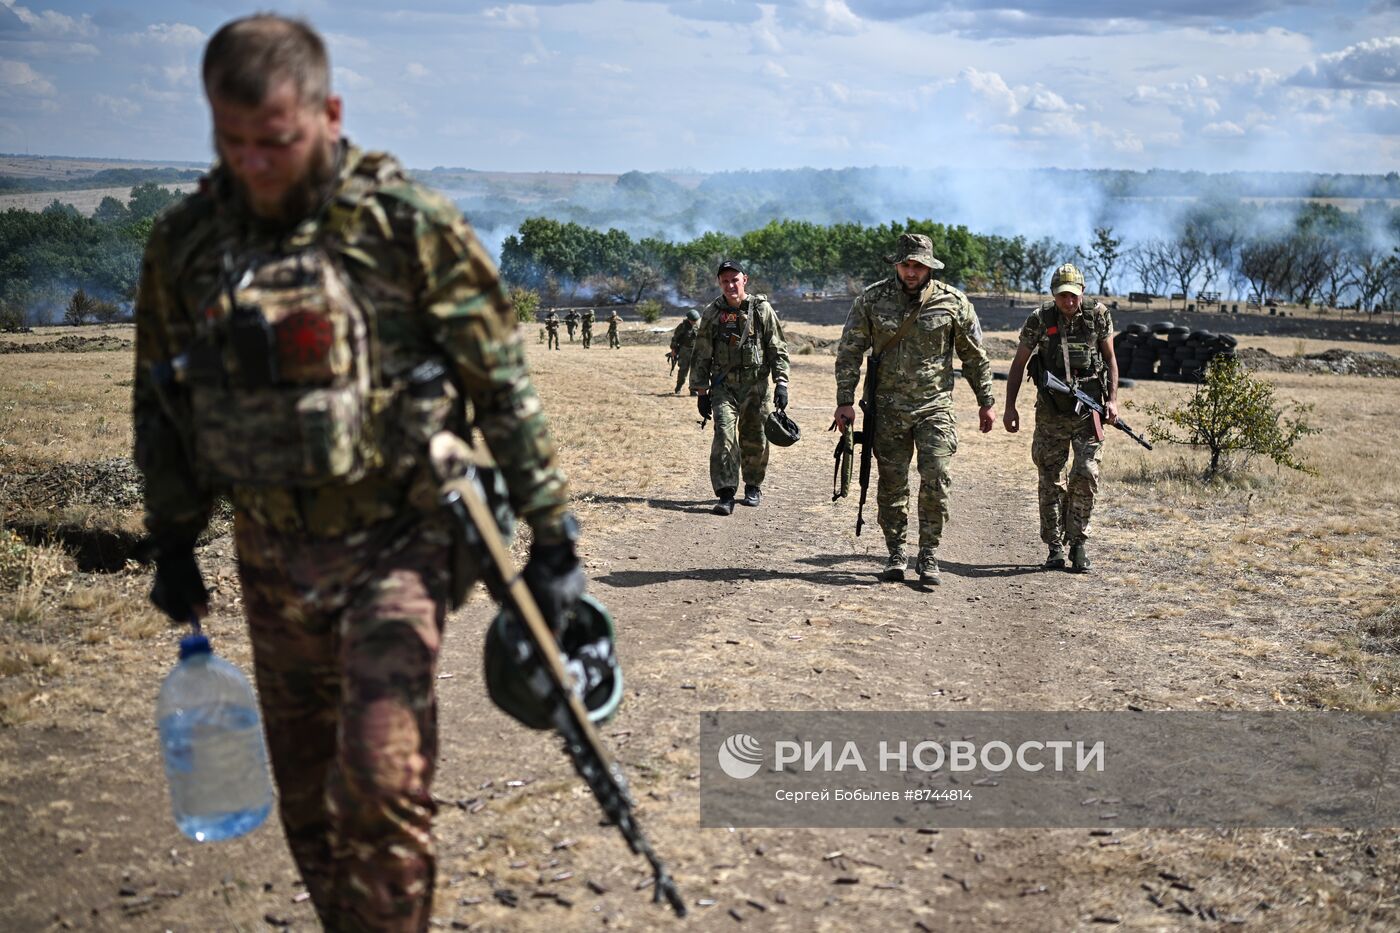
(895, 567)
(1056, 560)
(927, 566)
(752, 495)
(725, 505)
(1078, 558)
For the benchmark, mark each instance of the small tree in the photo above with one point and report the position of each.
(80, 307)
(11, 318)
(526, 302)
(650, 310)
(1233, 415)
(1105, 251)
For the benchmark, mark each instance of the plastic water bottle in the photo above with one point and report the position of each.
(212, 742)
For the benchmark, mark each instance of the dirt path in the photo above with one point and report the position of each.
(775, 608)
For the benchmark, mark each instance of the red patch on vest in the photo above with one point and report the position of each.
(1052, 330)
(728, 317)
(304, 339)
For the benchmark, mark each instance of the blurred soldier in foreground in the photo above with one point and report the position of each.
(571, 321)
(683, 347)
(305, 322)
(739, 345)
(587, 321)
(614, 343)
(912, 324)
(551, 327)
(1072, 338)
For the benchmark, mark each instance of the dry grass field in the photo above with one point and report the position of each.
(1272, 590)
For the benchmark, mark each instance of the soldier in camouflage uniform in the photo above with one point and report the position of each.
(683, 347)
(1073, 338)
(587, 321)
(914, 397)
(571, 322)
(305, 321)
(614, 342)
(739, 345)
(551, 328)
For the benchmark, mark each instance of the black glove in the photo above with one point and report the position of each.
(702, 403)
(780, 396)
(555, 578)
(179, 587)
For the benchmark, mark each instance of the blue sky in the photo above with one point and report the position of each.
(711, 85)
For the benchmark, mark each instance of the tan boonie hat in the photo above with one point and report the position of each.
(914, 247)
(1067, 278)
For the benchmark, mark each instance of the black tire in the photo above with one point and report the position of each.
(1125, 383)
(1180, 329)
(1135, 329)
(1201, 335)
(1228, 340)
(1162, 327)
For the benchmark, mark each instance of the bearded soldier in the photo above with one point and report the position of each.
(1072, 338)
(587, 321)
(739, 346)
(304, 323)
(913, 323)
(683, 346)
(551, 327)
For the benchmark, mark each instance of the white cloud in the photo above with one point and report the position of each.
(765, 41)
(123, 108)
(611, 68)
(513, 16)
(415, 71)
(774, 70)
(172, 34)
(52, 24)
(19, 79)
(832, 17)
(1043, 101)
(1375, 61)
(992, 88)
(1222, 130)
(347, 79)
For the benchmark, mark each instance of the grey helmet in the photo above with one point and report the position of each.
(519, 684)
(693, 314)
(781, 430)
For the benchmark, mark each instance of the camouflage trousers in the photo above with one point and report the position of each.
(613, 341)
(934, 435)
(739, 445)
(587, 335)
(553, 336)
(345, 634)
(571, 332)
(683, 368)
(1066, 503)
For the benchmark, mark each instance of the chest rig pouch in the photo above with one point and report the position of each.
(736, 342)
(283, 383)
(1074, 344)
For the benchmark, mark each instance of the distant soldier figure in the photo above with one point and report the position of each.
(915, 323)
(551, 326)
(305, 323)
(587, 321)
(571, 321)
(739, 345)
(1072, 338)
(614, 342)
(683, 346)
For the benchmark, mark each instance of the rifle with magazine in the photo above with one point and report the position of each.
(464, 499)
(1083, 401)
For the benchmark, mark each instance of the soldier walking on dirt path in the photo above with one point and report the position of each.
(309, 279)
(1071, 337)
(614, 342)
(683, 347)
(587, 321)
(914, 323)
(551, 326)
(739, 345)
(571, 322)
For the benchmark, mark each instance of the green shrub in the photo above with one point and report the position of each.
(526, 302)
(650, 310)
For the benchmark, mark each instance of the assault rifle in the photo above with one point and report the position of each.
(464, 500)
(671, 358)
(1083, 400)
(866, 435)
(715, 385)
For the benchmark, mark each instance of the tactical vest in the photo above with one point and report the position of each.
(285, 384)
(1077, 341)
(738, 341)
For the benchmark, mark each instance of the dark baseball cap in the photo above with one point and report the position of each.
(729, 264)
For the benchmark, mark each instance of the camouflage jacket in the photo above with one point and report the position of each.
(587, 319)
(722, 347)
(613, 322)
(683, 337)
(918, 372)
(1083, 334)
(428, 291)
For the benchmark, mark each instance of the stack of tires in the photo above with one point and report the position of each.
(1168, 351)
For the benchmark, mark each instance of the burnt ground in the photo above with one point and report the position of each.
(774, 608)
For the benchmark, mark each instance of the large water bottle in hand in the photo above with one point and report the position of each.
(212, 741)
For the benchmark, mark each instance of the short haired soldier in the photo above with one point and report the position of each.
(571, 321)
(551, 327)
(614, 342)
(1073, 338)
(587, 321)
(305, 322)
(739, 346)
(683, 346)
(916, 323)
